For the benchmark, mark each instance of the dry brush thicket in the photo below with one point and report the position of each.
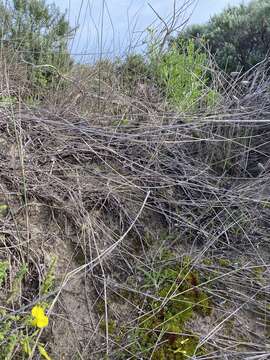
(109, 183)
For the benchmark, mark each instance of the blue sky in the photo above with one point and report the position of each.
(125, 21)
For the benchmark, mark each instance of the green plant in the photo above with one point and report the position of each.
(133, 69)
(48, 282)
(162, 332)
(242, 30)
(7, 101)
(37, 34)
(19, 333)
(180, 71)
(18, 337)
(111, 326)
(3, 271)
(31, 101)
(16, 284)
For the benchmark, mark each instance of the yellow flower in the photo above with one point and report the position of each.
(40, 320)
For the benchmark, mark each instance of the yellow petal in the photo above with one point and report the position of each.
(42, 321)
(37, 311)
(43, 352)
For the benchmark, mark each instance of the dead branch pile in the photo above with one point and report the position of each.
(103, 183)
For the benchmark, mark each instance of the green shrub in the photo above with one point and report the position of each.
(133, 69)
(180, 71)
(36, 34)
(238, 37)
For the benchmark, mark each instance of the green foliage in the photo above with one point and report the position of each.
(3, 271)
(32, 101)
(224, 262)
(239, 37)
(48, 282)
(162, 333)
(18, 337)
(6, 101)
(133, 69)
(16, 285)
(8, 337)
(111, 326)
(43, 352)
(38, 34)
(8, 350)
(180, 71)
(18, 334)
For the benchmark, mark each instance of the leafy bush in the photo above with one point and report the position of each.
(37, 34)
(181, 72)
(239, 37)
(133, 69)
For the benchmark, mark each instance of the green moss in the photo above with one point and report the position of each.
(207, 261)
(164, 331)
(121, 122)
(258, 272)
(224, 262)
(160, 333)
(100, 306)
(168, 255)
(266, 204)
(118, 338)
(229, 326)
(175, 298)
(111, 326)
(7, 101)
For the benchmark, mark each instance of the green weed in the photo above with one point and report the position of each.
(181, 72)
(48, 282)
(7, 101)
(16, 284)
(18, 333)
(162, 333)
(3, 271)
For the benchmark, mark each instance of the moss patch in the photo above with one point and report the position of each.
(161, 333)
(111, 326)
(224, 262)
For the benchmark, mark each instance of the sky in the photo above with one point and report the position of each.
(124, 22)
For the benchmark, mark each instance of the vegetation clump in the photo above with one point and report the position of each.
(181, 72)
(19, 332)
(36, 34)
(162, 331)
(242, 30)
